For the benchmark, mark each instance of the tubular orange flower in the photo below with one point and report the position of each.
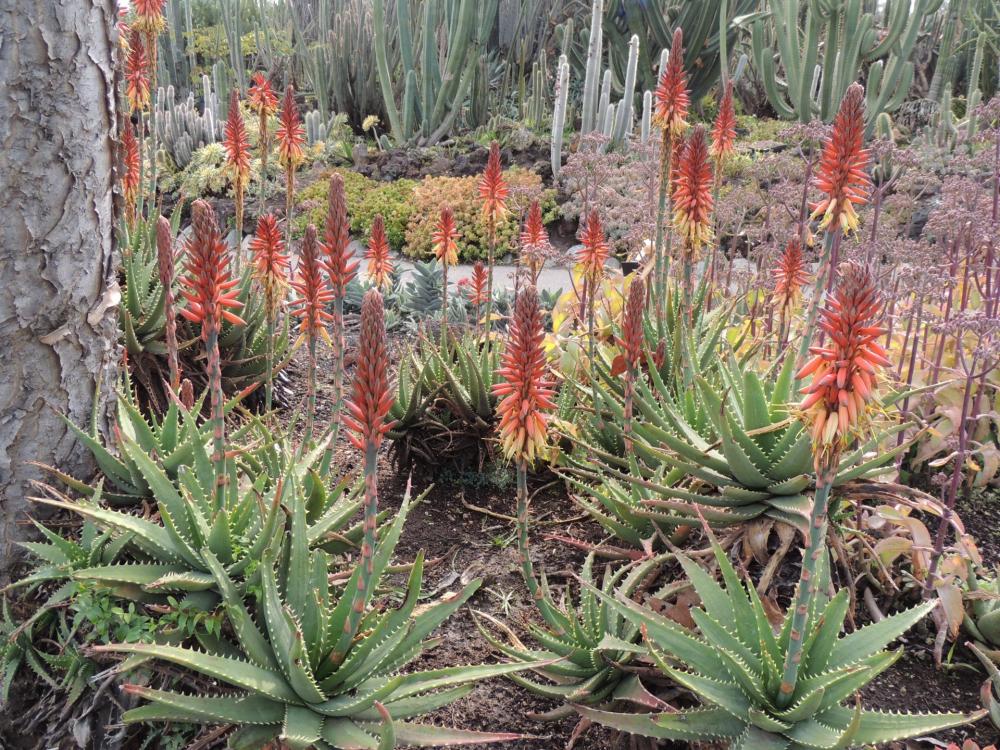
(445, 238)
(477, 284)
(261, 96)
(844, 371)
(270, 263)
(340, 264)
(594, 248)
(790, 276)
(236, 144)
(130, 180)
(136, 74)
(693, 195)
(313, 293)
(379, 262)
(371, 398)
(525, 393)
(493, 188)
(672, 97)
(290, 133)
(535, 245)
(149, 16)
(841, 173)
(724, 129)
(206, 284)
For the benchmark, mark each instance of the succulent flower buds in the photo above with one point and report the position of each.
(632, 333)
(340, 263)
(672, 97)
(236, 144)
(841, 174)
(493, 188)
(693, 195)
(477, 284)
(724, 128)
(371, 397)
(790, 276)
(131, 162)
(136, 74)
(148, 16)
(270, 263)
(445, 238)
(594, 250)
(379, 262)
(535, 245)
(206, 284)
(261, 96)
(290, 133)
(313, 293)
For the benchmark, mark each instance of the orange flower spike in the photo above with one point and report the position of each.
(340, 264)
(237, 144)
(445, 238)
(535, 243)
(790, 276)
(136, 73)
(371, 398)
(842, 171)
(149, 16)
(131, 162)
(594, 248)
(290, 133)
(844, 371)
(493, 188)
(724, 129)
(677, 148)
(525, 393)
(693, 194)
(270, 263)
(207, 285)
(672, 98)
(632, 333)
(312, 291)
(477, 284)
(261, 96)
(379, 262)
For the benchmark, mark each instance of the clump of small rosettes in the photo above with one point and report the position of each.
(207, 284)
(493, 188)
(371, 398)
(724, 128)
(671, 97)
(692, 194)
(594, 250)
(290, 134)
(312, 292)
(270, 263)
(137, 73)
(379, 262)
(445, 238)
(790, 276)
(844, 371)
(526, 395)
(340, 262)
(842, 171)
(131, 163)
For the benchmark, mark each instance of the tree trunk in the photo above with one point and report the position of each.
(58, 289)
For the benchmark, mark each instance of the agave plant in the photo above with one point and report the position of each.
(291, 686)
(734, 667)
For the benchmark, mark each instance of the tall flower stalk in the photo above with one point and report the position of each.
(790, 276)
(493, 191)
(270, 269)
(836, 405)
(290, 136)
(237, 146)
(211, 295)
(341, 268)
(165, 270)
(525, 397)
(445, 238)
(313, 294)
(366, 419)
(264, 103)
(377, 255)
(591, 258)
(693, 206)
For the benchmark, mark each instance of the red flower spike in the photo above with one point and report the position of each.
(445, 238)
(379, 262)
(270, 263)
(313, 292)
(137, 74)
(693, 194)
(724, 129)
(261, 96)
(290, 133)
(672, 97)
(842, 171)
(149, 16)
(477, 284)
(206, 285)
(844, 371)
(131, 162)
(340, 264)
(535, 245)
(236, 144)
(493, 188)
(371, 397)
(525, 393)
(632, 333)
(676, 149)
(594, 248)
(790, 276)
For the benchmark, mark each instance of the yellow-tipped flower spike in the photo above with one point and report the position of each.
(693, 195)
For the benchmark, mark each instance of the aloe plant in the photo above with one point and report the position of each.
(289, 687)
(734, 667)
(982, 613)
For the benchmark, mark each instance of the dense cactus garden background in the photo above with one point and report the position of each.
(543, 373)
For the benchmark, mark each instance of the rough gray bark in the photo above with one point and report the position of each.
(58, 293)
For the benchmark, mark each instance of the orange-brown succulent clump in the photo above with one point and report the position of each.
(844, 371)
(313, 293)
(672, 96)
(207, 285)
(594, 250)
(237, 144)
(270, 263)
(371, 398)
(130, 180)
(724, 129)
(340, 263)
(841, 173)
(526, 395)
(137, 74)
(493, 188)
(445, 238)
(379, 262)
(290, 133)
(693, 194)
(790, 276)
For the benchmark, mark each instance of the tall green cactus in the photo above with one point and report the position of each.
(559, 113)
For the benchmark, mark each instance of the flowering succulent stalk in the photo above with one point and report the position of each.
(445, 238)
(632, 344)
(165, 269)
(590, 259)
(149, 20)
(478, 295)
(377, 255)
(209, 290)
(535, 245)
(132, 179)
(264, 103)
(493, 191)
(367, 409)
(790, 277)
(309, 306)
(342, 268)
(693, 204)
(237, 146)
(724, 131)
(137, 74)
(270, 269)
(526, 395)
(290, 136)
(836, 406)
(672, 100)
